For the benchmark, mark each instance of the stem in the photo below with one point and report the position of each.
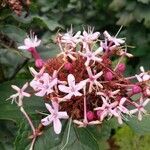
(85, 109)
(118, 31)
(28, 119)
(32, 144)
(31, 125)
(120, 60)
(68, 134)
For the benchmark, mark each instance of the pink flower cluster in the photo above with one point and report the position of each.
(101, 85)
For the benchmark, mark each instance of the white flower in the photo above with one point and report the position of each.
(106, 109)
(120, 109)
(143, 76)
(45, 84)
(89, 55)
(124, 53)
(30, 42)
(93, 79)
(20, 94)
(140, 108)
(88, 38)
(55, 116)
(35, 74)
(68, 53)
(116, 41)
(72, 88)
(69, 38)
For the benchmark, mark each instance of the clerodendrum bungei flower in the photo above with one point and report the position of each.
(20, 94)
(30, 44)
(82, 82)
(54, 117)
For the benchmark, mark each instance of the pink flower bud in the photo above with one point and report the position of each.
(121, 67)
(68, 66)
(136, 89)
(39, 63)
(108, 76)
(90, 115)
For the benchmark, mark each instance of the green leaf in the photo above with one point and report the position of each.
(89, 138)
(13, 32)
(140, 127)
(144, 1)
(51, 24)
(116, 5)
(7, 134)
(125, 18)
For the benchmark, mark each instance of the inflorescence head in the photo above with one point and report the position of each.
(82, 83)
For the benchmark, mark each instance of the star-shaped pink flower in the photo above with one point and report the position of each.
(30, 42)
(71, 39)
(93, 79)
(88, 38)
(45, 84)
(140, 108)
(116, 41)
(55, 116)
(91, 56)
(143, 76)
(106, 109)
(35, 74)
(20, 94)
(120, 110)
(72, 89)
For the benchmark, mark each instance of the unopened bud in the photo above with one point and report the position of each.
(121, 68)
(136, 89)
(68, 66)
(108, 76)
(90, 115)
(39, 63)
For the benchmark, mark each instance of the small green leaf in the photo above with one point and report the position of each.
(140, 127)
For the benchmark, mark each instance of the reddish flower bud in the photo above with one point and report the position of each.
(121, 67)
(68, 66)
(108, 76)
(39, 63)
(136, 89)
(90, 115)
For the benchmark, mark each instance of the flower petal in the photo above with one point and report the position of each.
(41, 93)
(26, 94)
(64, 88)
(25, 86)
(28, 42)
(133, 111)
(23, 47)
(63, 115)
(47, 120)
(71, 80)
(57, 125)
(15, 87)
(77, 93)
(49, 108)
(146, 102)
(68, 96)
(55, 106)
